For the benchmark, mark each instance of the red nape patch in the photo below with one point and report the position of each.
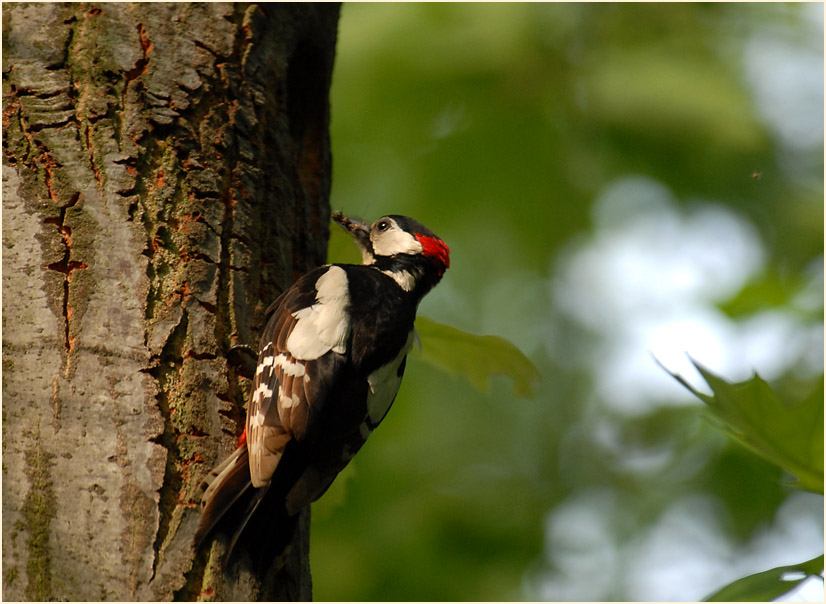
(242, 440)
(435, 248)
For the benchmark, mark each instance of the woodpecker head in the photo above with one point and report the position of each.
(402, 248)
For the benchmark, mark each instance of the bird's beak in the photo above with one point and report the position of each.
(360, 231)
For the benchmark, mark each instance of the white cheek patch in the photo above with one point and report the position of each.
(394, 241)
(325, 325)
(367, 257)
(384, 383)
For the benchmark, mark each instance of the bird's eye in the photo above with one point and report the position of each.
(383, 225)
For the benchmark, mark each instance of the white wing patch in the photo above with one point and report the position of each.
(384, 383)
(325, 325)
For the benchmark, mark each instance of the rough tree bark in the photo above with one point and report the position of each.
(166, 171)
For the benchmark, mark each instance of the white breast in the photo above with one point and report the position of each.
(384, 384)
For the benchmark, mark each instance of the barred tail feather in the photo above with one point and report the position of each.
(222, 488)
(230, 501)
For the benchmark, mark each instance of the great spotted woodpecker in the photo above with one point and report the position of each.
(330, 363)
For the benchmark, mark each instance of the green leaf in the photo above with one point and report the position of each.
(789, 436)
(768, 585)
(769, 290)
(476, 358)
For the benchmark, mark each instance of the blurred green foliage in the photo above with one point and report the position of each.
(498, 126)
(787, 435)
(476, 358)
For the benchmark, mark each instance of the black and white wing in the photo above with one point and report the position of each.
(307, 323)
(305, 335)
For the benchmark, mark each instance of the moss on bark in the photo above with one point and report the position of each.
(39, 508)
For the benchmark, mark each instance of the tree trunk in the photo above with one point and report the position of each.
(166, 172)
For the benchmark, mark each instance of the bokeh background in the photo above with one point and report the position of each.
(619, 184)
